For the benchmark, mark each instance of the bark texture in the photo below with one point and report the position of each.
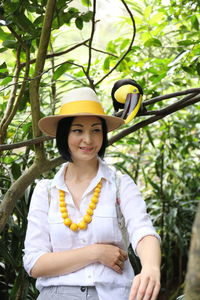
(192, 283)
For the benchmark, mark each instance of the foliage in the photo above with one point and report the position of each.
(161, 158)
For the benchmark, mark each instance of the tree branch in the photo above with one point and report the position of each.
(127, 51)
(91, 39)
(34, 84)
(171, 95)
(31, 142)
(18, 188)
(14, 106)
(58, 53)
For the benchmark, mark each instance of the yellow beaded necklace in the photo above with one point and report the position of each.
(88, 216)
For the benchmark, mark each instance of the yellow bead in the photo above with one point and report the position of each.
(67, 221)
(87, 218)
(82, 225)
(97, 190)
(62, 204)
(89, 211)
(62, 193)
(74, 227)
(64, 215)
(96, 194)
(62, 197)
(92, 205)
(63, 209)
(94, 199)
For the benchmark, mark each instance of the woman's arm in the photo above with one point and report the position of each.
(146, 285)
(59, 263)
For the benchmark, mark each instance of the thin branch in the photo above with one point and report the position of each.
(59, 53)
(31, 142)
(46, 71)
(171, 95)
(127, 51)
(39, 65)
(101, 51)
(19, 97)
(91, 39)
(165, 109)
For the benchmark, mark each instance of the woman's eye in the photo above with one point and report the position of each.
(77, 130)
(97, 130)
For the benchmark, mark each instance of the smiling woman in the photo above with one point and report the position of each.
(74, 245)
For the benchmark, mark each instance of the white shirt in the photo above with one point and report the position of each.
(47, 233)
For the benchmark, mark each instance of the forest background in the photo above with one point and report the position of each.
(48, 47)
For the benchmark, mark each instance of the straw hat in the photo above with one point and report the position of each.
(78, 102)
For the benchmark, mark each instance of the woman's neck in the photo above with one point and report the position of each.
(80, 171)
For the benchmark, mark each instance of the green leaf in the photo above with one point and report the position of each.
(61, 70)
(10, 44)
(198, 68)
(106, 64)
(147, 11)
(79, 23)
(87, 16)
(124, 43)
(186, 43)
(157, 78)
(4, 35)
(189, 70)
(2, 50)
(156, 19)
(16, 171)
(195, 22)
(5, 81)
(86, 2)
(24, 24)
(153, 42)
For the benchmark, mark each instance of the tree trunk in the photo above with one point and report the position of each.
(192, 284)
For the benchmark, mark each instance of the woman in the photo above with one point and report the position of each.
(74, 246)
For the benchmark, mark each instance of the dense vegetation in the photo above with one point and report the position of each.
(154, 42)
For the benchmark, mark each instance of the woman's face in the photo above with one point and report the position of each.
(85, 138)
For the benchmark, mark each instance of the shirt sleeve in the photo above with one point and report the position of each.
(133, 208)
(37, 240)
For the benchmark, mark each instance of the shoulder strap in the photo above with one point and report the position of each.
(49, 192)
(120, 217)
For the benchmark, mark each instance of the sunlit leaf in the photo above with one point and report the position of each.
(153, 42)
(79, 23)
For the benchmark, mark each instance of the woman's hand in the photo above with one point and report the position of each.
(111, 256)
(146, 285)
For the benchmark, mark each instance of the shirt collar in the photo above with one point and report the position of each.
(103, 172)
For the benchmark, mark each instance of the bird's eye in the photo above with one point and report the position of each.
(135, 90)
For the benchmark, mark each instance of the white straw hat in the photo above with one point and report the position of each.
(78, 102)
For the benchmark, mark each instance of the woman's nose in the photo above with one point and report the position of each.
(87, 138)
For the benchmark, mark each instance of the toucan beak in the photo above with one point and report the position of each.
(131, 106)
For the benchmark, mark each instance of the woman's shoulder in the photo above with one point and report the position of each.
(43, 182)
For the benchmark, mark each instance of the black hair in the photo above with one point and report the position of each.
(62, 134)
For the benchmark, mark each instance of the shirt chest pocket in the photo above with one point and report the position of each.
(60, 235)
(105, 225)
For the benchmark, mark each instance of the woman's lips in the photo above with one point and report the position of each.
(86, 149)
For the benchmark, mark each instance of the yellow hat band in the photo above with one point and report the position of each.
(82, 107)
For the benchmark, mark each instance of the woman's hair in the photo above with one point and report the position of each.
(62, 134)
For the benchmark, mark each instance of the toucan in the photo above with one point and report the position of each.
(127, 95)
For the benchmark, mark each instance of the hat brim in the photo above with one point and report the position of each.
(49, 124)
